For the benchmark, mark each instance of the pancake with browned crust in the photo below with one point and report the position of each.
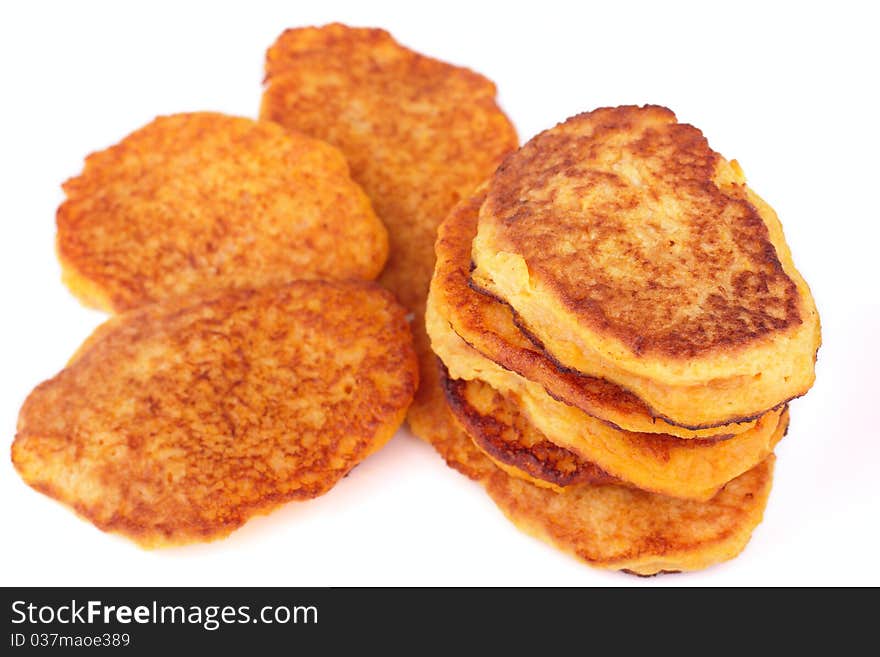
(608, 526)
(634, 252)
(501, 430)
(694, 468)
(419, 134)
(179, 421)
(196, 202)
(642, 533)
(489, 326)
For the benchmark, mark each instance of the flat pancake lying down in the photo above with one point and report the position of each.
(179, 421)
(610, 526)
(197, 202)
(489, 327)
(694, 469)
(504, 434)
(419, 134)
(642, 533)
(632, 251)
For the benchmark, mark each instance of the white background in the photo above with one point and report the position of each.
(789, 90)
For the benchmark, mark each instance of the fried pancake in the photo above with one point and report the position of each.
(642, 533)
(505, 435)
(489, 327)
(419, 134)
(195, 202)
(177, 422)
(693, 469)
(634, 252)
(610, 527)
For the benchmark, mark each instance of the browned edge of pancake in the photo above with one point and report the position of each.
(543, 460)
(541, 512)
(568, 371)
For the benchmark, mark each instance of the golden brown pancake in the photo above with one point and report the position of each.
(694, 468)
(195, 202)
(607, 526)
(634, 252)
(419, 134)
(179, 421)
(498, 427)
(489, 327)
(642, 533)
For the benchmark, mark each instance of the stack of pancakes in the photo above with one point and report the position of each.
(616, 309)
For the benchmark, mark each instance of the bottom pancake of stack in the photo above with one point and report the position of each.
(600, 521)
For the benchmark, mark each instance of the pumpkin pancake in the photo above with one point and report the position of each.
(633, 252)
(607, 526)
(642, 533)
(418, 133)
(195, 202)
(178, 421)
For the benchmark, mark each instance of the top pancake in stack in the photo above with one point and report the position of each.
(629, 251)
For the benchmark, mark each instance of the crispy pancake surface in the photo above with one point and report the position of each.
(419, 134)
(176, 422)
(633, 251)
(608, 526)
(643, 533)
(693, 469)
(499, 428)
(201, 201)
(489, 326)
